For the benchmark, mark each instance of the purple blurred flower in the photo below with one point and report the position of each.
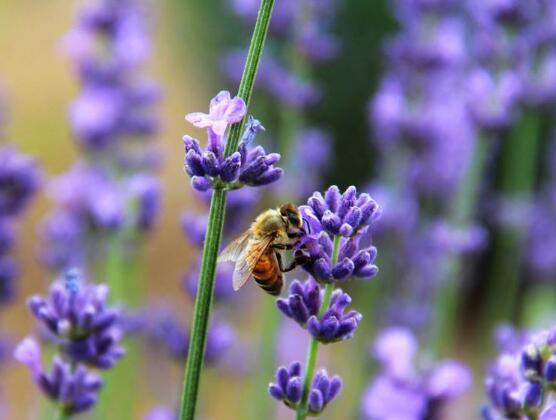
(239, 207)
(275, 79)
(90, 195)
(289, 385)
(244, 167)
(429, 45)
(144, 192)
(8, 274)
(400, 390)
(108, 45)
(75, 390)
(176, 338)
(7, 236)
(308, 161)
(19, 179)
(493, 98)
(222, 284)
(82, 324)
(160, 413)
(61, 235)
(282, 16)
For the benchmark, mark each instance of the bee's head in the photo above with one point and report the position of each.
(291, 215)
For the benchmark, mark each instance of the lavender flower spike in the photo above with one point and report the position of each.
(303, 303)
(289, 384)
(400, 390)
(347, 216)
(210, 167)
(77, 315)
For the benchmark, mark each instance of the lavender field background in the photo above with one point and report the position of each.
(442, 111)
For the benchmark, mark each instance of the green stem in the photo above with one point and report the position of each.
(250, 70)
(517, 179)
(213, 235)
(312, 352)
(461, 214)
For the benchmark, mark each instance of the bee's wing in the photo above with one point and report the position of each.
(248, 259)
(235, 248)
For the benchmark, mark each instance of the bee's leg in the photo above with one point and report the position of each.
(282, 246)
(281, 264)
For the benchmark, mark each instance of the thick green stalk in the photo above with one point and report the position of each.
(461, 214)
(213, 235)
(203, 303)
(312, 352)
(517, 179)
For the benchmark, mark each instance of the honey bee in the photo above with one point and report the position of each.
(257, 251)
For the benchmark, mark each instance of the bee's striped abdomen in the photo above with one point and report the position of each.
(267, 274)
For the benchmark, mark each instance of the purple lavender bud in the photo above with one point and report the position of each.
(316, 401)
(533, 395)
(318, 204)
(293, 389)
(230, 169)
(252, 128)
(200, 184)
(322, 269)
(549, 373)
(268, 177)
(343, 269)
(194, 164)
(211, 165)
(332, 197)
(294, 368)
(192, 144)
(276, 392)
(531, 360)
(331, 222)
(323, 391)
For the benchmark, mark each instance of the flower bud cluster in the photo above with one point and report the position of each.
(211, 167)
(303, 303)
(346, 217)
(88, 336)
(289, 385)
